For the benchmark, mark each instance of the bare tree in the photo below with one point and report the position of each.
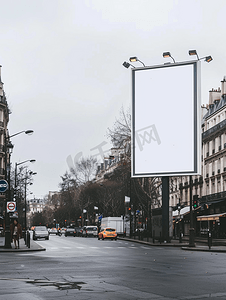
(85, 170)
(120, 134)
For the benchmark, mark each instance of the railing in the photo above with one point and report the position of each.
(214, 130)
(213, 197)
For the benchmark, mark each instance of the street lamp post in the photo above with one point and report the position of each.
(8, 145)
(25, 197)
(16, 165)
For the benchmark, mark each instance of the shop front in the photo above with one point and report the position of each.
(215, 223)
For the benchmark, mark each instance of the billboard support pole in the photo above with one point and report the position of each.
(165, 208)
(191, 230)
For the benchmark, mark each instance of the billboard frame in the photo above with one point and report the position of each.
(196, 122)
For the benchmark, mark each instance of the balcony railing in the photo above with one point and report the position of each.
(213, 130)
(213, 197)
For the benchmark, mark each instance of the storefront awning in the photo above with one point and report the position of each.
(211, 217)
(182, 212)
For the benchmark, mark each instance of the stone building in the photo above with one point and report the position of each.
(4, 154)
(34, 206)
(210, 187)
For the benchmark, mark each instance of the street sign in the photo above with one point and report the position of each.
(3, 185)
(127, 199)
(11, 206)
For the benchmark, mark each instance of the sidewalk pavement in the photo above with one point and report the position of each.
(199, 244)
(23, 248)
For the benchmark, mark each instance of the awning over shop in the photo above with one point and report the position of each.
(215, 217)
(182, 212)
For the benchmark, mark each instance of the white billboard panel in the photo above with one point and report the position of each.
(166, 120)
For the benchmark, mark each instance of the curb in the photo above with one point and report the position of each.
(34, 247)
(182, 246)
(199, 248)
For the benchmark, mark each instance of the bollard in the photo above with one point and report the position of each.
(28, 239)
(160, 240)
(25, 237)
(180, 237)
(209, 239)
(153, 237)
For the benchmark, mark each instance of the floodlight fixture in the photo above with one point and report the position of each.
(167, 54)
(127, 65)
(134, 59)
(193, 52)
(207, 58)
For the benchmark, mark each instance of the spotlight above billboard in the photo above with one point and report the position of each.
(166, 120)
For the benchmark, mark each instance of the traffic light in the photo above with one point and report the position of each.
(195, 201)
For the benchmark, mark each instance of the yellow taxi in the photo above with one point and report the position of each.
(107, 233)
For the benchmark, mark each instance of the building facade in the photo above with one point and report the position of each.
(209, 188)
(4, 155)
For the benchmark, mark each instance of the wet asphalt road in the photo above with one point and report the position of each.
(85, 268)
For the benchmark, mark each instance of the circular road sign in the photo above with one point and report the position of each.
(11, 206)
(3, 185)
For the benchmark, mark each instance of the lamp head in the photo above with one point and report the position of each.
(166, 54)
(126, 64)
(29, 131)
(133, 59)
(192, 52)
(208, 59)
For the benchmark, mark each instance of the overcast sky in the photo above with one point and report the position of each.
(63, 75)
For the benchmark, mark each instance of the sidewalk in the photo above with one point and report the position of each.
(23, 248)
(200, 244)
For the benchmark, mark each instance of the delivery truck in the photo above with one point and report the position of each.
(114, 222)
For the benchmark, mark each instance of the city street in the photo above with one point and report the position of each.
(85, 268)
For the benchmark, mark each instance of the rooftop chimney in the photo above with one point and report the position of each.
(223, 86)
(214, 95)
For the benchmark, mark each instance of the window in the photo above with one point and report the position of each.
(213, 146)
(207, 149)
(219, 140)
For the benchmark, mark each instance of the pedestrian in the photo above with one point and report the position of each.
(16, 233)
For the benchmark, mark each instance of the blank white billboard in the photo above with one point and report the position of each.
(166, 121)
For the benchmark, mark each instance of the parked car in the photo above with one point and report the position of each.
(70, 231)
(40, 232)
(107, 233)
(63, 230)
(1, 231)
(91, 231)
(53, 231)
